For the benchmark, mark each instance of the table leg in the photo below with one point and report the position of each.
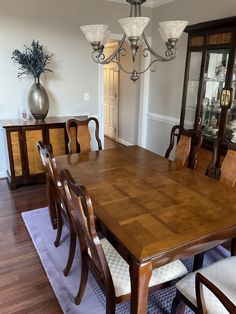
(140, 275)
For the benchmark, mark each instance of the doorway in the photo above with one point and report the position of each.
(132, 109)
(111, 96)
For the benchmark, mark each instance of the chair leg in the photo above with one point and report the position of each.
(51, 204)
(178, 306)
(59, 226)
(110, 304)
(83, 278)
(198, 261)
(71, 254)
(233, 247)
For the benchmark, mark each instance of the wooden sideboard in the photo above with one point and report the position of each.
(24, 163)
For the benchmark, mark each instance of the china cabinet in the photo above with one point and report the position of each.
(210, 67)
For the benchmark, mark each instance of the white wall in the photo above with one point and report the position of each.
(166, 84)
(56, 24)
(129, 93)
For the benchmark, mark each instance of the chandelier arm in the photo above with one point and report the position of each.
(120, 67)
(99, 57)
(148, 67)
(171, 53)
(130, 72)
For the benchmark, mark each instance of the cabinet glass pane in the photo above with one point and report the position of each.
(192, 88)
(231, 125)
(213, 83)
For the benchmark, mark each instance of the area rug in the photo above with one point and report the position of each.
(65, 288)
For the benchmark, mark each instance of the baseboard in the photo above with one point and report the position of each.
(119, 140)
(3, 174)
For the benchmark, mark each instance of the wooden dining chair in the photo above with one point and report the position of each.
(210, 290)
(108, 267)
(224, 171)
(81, 131)
(56, 198)
(187, 147)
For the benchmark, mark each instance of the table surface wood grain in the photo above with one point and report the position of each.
(156, 210)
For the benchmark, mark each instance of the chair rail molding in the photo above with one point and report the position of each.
(166, 119)
(162, 118)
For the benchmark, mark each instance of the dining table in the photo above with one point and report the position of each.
(153, 210)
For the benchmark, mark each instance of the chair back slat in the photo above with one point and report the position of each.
(228, 168)
(83, 138)
(183, 149)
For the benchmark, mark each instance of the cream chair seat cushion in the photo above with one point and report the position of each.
(120, 270)
(222, 274)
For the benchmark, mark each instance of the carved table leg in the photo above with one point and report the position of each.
(140, 275)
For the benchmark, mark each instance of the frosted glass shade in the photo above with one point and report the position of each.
(134, 26)
(95, 33)
(171, 29)
(105, 39)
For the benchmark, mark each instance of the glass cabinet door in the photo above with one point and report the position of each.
(213, 82)
(231, 125)
(192, 88)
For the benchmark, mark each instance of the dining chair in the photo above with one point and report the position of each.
(79, 135)
(56, 198)
(187, 147)
(108, 267)
(225, 171)
(210, 290)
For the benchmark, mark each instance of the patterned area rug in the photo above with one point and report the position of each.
(54, 259)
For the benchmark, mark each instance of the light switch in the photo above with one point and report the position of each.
(86, 96)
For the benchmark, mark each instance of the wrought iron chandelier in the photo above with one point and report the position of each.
(133, 27)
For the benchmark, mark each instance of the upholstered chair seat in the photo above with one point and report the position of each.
(120, 270)
(222, 274)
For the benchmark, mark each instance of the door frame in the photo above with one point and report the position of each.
(143, 99)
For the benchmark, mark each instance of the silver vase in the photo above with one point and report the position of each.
(38, 101)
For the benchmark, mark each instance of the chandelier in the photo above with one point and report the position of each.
(133, 27)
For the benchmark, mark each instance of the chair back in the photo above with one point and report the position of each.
(81, 209)
(79, 134)
(225, 171)
(50, 168)
(43, 150)
(187, 147)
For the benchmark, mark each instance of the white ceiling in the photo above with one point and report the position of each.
(148, 3)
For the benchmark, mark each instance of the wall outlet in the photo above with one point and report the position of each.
(86, 96)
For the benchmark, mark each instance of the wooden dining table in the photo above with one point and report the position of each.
(153, 210)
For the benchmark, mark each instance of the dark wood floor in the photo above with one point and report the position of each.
(24, 287)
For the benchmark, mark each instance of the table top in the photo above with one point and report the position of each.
(157, 209)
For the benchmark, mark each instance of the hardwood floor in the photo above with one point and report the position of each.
(108, 143)
(24, 287)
